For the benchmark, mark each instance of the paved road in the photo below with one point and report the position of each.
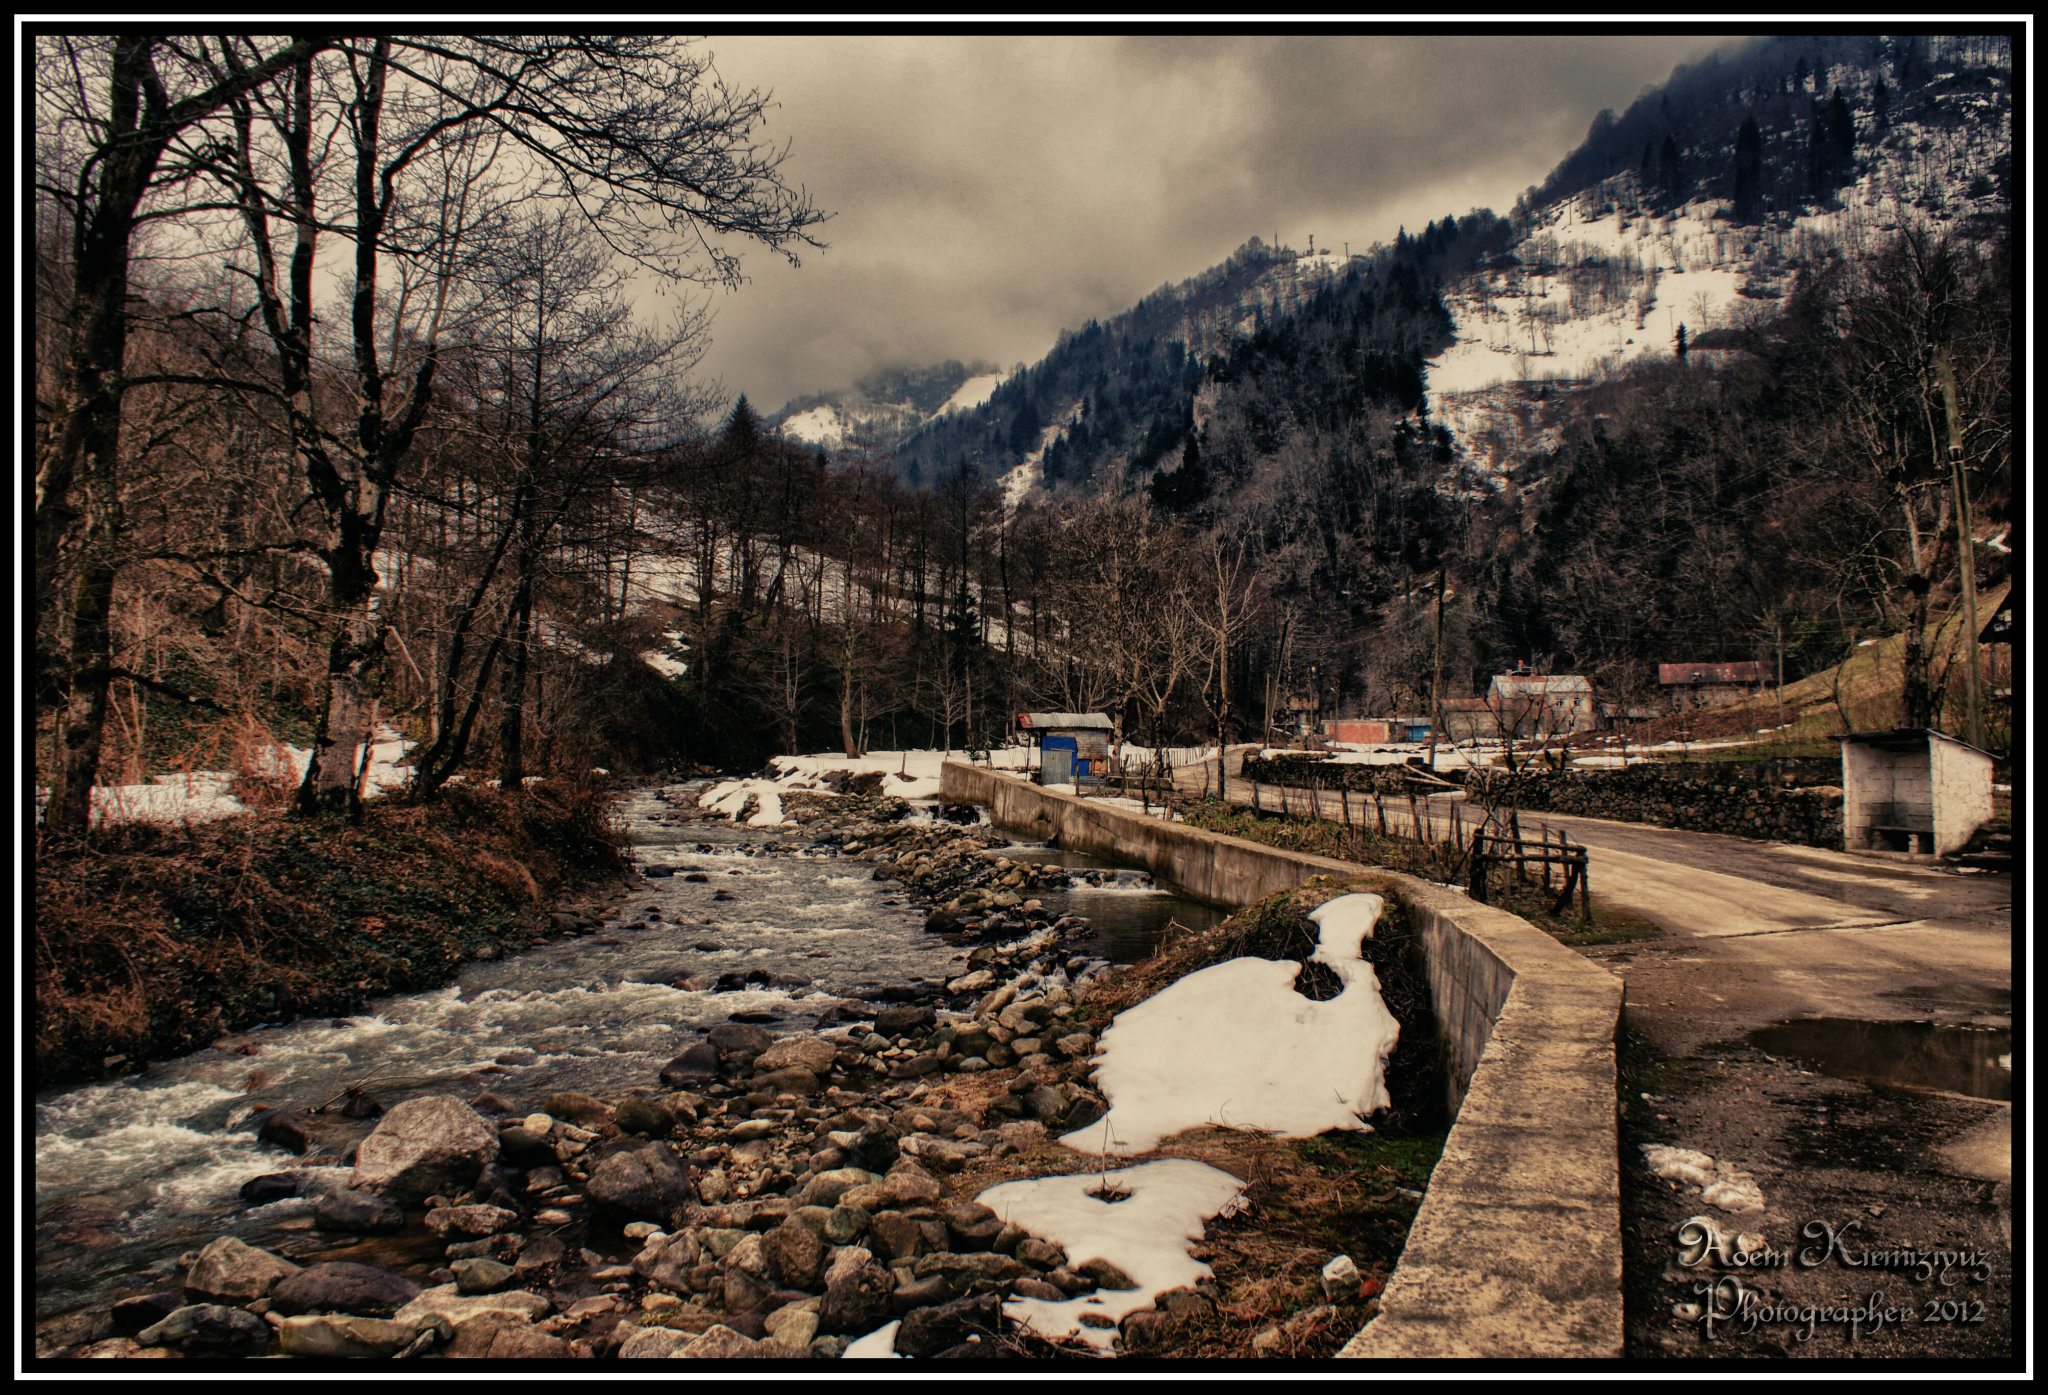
(1759, 934)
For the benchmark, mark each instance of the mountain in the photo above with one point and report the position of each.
(885, 407)
(1699, 206)
(1116, 397)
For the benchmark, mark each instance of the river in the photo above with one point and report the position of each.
(130, 1173)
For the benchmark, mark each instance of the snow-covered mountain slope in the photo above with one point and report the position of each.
(1608, 274)
(885, 407)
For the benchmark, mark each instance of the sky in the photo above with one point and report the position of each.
(988, 192)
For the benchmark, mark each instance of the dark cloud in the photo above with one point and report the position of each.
(991, 191)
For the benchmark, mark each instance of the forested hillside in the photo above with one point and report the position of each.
(1670, 410)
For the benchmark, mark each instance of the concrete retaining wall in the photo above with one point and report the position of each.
(1516, 1250)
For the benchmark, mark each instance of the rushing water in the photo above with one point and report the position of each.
(131, 1172)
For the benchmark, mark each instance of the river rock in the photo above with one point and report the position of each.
(333, 1336)
(929, 1331)
(343, 1287)
(653, 1343)
(234, 1272)
(903, 1020)
(665, 1261)
(795, 1254)
(479, 1275)
(339, 1207)
(502, 1337)
(271, 1186)
(977, 1271)
(804, 1053)
(827, 1188)
(794, 1325)
(639, 1115)
(647, 1182)
(584, 1111)
(461, 1309)
(435, 1143)
(856, 1292)
(475, 1221)
(210, 1328)
(130, 1315)
(698, 1063)
(739, 1041)
(721, 1343)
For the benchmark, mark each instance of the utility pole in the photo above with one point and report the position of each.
(1966, 547)
(1436, 682)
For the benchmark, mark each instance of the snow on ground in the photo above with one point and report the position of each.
(880, 1343)
(1146, 1232)
(906, 774)
(821, 426)
(1721, 1185)
(201, 796)
(1235, 1044)
(971, 394)
(1021, 478)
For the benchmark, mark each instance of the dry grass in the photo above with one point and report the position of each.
(152, 940)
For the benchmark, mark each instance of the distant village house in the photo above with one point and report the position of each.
(1690, 687)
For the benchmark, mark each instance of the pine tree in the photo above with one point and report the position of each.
(1749, 171)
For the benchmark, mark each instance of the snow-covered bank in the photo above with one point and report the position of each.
(1237, 1044)
(201, 796)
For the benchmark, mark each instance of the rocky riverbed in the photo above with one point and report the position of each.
(762, 1194)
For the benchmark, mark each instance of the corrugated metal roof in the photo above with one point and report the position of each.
(1063, 721)
(1747, 671)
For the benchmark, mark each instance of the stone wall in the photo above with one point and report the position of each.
(1306, 771)
(1791, 800)
(1516, 1249)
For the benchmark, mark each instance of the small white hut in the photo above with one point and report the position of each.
(1912, 790)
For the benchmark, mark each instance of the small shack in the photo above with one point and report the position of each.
(1912, 790)
(1072, 746)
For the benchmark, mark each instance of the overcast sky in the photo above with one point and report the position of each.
(988, 192)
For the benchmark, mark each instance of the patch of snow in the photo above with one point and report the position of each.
(1346, 923)
(971, 394)
(1234, 1044)
(201, 796)
(1721, 1185)
(1146, 1234)
(879, 1343)
(821, 426)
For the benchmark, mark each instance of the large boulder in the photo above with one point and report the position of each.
(343, 1336)
(803, 1053)
(209, 1328)
(740, 1041)
(435, 1143)
(231, 1272)
(341, 1287)
(647, 1183)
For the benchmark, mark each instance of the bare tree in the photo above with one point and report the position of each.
(636, 134)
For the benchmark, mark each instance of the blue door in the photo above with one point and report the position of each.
(1056, 760)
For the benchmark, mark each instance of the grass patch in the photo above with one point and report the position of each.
(1436, 862)
(153, 940)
